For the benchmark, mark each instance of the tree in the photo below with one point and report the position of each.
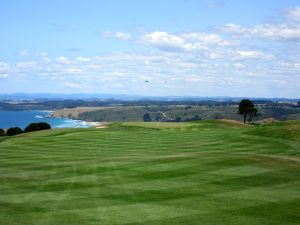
(247, 109)
(178, 119)
(252, 114)
(158, 117)
(2, 132)
(37, 126)
(14, 131)
(147, 117)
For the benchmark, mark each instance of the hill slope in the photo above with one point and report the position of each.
(207, 172)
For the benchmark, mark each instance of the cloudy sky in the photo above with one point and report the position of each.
(180, 47)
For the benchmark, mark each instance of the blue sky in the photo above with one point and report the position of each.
(182, 47)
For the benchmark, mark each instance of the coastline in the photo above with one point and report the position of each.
(22, 118)
(73, 114)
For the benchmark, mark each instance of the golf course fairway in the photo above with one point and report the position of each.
(206, 172)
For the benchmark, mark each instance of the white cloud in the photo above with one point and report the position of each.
(239, 66)
(82, 59)
(116, 35)
(288, 29)
(202, 38)
(268, 31)
(46, 59)
(72, 70)
(205, 45)
(164, 40)
(233, 28)
(4, 67)
(251, 54)
(4, 70)
(28, 65)
(63, 60)
(4, 75)
(195, 41)
(72, 85)
(276, 31)
(169, 73)
(294, 14)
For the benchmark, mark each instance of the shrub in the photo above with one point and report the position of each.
(178, 119)
(147, 117)
(2, 132)
(37, 126)
(14, 131)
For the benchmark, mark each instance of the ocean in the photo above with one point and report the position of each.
(23, 118)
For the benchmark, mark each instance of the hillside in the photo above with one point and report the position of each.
(164, 112)
(203, 172)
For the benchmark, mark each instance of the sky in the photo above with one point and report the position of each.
(151, 47)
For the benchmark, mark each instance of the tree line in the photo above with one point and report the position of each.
(31, 127)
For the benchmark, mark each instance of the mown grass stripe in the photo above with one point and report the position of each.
(152, 174)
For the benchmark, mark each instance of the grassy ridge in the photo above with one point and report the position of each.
(171, 112)
(205, 172)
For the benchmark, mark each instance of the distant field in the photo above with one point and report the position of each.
(174, 112)
(208, 172)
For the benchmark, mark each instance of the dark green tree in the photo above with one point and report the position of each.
(2, 132)
(37, 126)
(178, 119)
(14, 131)
(247, 109)
(147, 117)
(252, 114)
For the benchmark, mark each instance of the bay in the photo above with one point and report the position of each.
(23, 118)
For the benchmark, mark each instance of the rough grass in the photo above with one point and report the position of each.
(205, 172)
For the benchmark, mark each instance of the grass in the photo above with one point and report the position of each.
(204, 172)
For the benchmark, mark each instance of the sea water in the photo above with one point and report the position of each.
(23, 118)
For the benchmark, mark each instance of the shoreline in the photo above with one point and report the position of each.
(73, 113)
(9, 119)
(91, 124)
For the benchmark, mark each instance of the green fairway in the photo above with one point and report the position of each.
(208, 172)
